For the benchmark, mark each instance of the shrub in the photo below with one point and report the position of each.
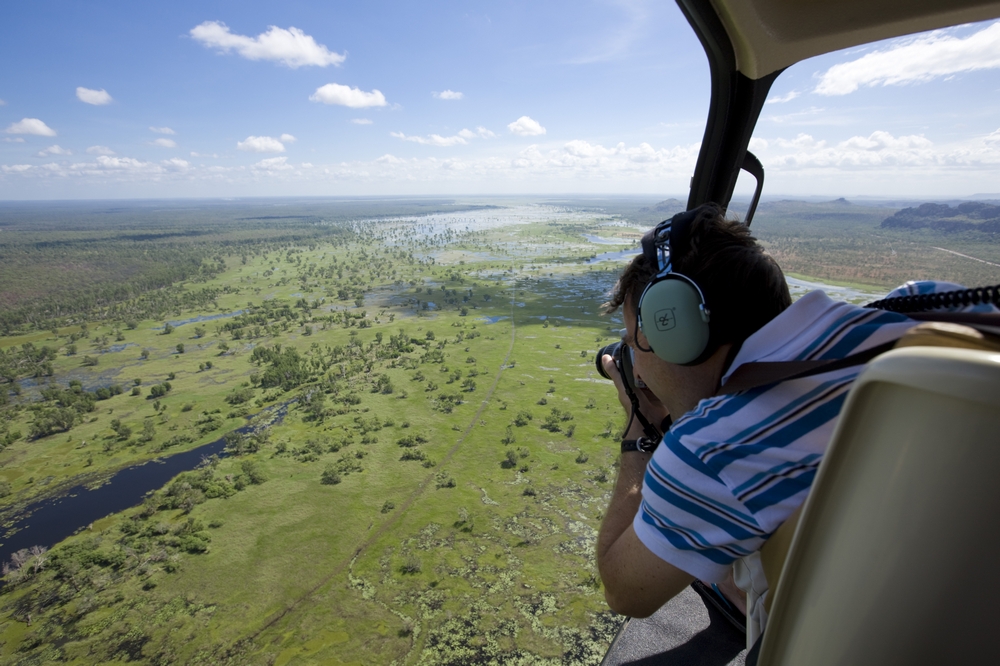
(413, 454)
(330, 477)
(410, 566)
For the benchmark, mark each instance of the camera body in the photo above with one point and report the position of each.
(623, 356)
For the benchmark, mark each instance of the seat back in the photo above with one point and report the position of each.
(893, 559)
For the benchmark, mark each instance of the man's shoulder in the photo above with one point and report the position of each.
(817, 327)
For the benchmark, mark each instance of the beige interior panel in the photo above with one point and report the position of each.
(894, 561)
(769, 35)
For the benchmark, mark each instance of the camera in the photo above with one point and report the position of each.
(623, 357)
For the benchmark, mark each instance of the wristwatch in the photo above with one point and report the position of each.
(644, 444)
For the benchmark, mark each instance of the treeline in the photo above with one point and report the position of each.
(968, 216)
(50, 279)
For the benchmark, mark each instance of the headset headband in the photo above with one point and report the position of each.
(669, 234)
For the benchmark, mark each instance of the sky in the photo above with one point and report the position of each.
(240, 99)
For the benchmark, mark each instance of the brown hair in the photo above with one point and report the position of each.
(744, 287)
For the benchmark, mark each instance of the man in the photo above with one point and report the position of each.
(732, 466)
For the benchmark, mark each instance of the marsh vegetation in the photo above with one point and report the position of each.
(415, 447)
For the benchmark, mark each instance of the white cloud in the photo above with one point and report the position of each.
(165, 143)
(30, 126)
(449, 94)
(16, 168)
(213, 155)
(273, 164)
(334, 93)
(261, 144)
(54, 150)
(162, 130)
(915, 60)
(811, 116)
(15, 139)
(432, 140)
(290, 47)
(879, 150)
(480, 132)
(287, 138)
(781, 99)
(100, 150)
(116, 164)
(361, 121)
(3, 103)
(525, 126)
(95, 97)
(176, 164)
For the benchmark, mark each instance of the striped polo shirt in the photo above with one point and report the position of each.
(729, 472)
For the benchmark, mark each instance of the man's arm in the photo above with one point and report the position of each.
(636, 582)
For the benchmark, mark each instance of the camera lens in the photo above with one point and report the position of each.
(613, 350)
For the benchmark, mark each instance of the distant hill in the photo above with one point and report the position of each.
(669, 206)
(969, 216)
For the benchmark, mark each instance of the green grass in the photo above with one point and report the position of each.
(477, 560)
(300, 571)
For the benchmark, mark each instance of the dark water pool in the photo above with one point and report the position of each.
(49, 521)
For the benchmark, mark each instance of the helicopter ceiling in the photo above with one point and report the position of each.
(750, 42)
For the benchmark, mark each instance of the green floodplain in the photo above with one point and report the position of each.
(430, 446)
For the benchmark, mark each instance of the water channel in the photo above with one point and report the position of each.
(51, 520)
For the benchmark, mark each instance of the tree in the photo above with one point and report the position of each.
(509, 437)
(199, 331)
(180, 347)
(148, 430)
(167, 328)
(252, 471)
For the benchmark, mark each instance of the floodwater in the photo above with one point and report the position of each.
(201, 318)
(606, 241)
(799, 288)
(48, 522)
(621, 255)
(487, 218)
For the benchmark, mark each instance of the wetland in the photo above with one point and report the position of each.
(338, 431)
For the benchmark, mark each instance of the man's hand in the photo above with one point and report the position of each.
(650, 406)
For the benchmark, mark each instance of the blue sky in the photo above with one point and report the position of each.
(222, 99)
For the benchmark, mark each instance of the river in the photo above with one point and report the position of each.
(49, 521)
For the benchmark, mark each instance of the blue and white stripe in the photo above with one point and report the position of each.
(730, 471)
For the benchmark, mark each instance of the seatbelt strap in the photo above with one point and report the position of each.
(752, 375)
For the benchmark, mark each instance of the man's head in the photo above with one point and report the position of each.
(743, 287)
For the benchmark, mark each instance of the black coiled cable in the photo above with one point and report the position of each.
(945, 299)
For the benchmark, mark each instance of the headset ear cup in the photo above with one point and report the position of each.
(673, 321)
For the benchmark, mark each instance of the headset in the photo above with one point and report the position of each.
(672, 312)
